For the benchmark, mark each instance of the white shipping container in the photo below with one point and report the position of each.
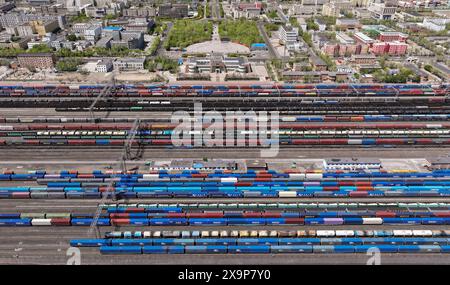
(422, 233)
(345, 233)
(288, 119)
(327, 233)
(434, 126)
(6, 128)
(354, 141)
(300, 176)
(402, 233)
(41, 222)
(150, 177)
(228, 179)
(314, 175)
(283, 194)
(372, 221)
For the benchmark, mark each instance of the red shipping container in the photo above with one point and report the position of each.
(20, 195)
(271, 215)
(120, 222)
(85, 175)
(251, 214)
(176, 215)
(346, 183)
(364, 188)
(243, 184)
(37, 127)
(385, 214)
(296, 221)
(60, 222)
(204, 215)
(358, 194)
(331, 188)
(117, 142)
(119, 215)
(135, 210)
(442, 214)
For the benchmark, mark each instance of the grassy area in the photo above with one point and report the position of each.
(154, 47)
(68, 64)
(81, 18)
(208, 10)
(10, 52)
(162, 63)
(187, 32)
(405, 75)
(222, 12)
(271, 27)
(242, 31)
(272, 14)
(329, 61)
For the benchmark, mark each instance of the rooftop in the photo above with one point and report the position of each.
(40, 54)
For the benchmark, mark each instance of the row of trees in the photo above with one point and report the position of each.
(185, 33)
(271, 27)
(65, 52)
(13, 52)
(154, 46)
(242, 31)
(403, 76)
(162, 63)
(307, 37)
(68, 64)
(99, 51)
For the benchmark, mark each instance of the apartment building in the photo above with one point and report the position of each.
(129, 64)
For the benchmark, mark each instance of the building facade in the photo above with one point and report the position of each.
(36, 60)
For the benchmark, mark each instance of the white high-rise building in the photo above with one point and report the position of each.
(78, 5)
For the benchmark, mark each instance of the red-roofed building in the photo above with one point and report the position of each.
(392, 37)
(391, 48)
(247, 10)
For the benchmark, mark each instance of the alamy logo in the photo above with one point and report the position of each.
(375, 256)
(249, 129)
(74, 256)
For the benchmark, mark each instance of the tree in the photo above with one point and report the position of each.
(71, 37)
(185, 33)
(110, 17)
(68, 64)
(40, 48)
(272, 14)
(243, 31)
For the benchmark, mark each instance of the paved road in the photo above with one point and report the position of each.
(215, 10)
(45, 245)
(262, 30)
(442, 68)
(282, 15)
(161, 51)
(48, 245)
(235, 153)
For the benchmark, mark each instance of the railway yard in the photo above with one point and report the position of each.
(94, 168)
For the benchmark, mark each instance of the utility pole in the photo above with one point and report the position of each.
(120, 165)
(106, 91)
